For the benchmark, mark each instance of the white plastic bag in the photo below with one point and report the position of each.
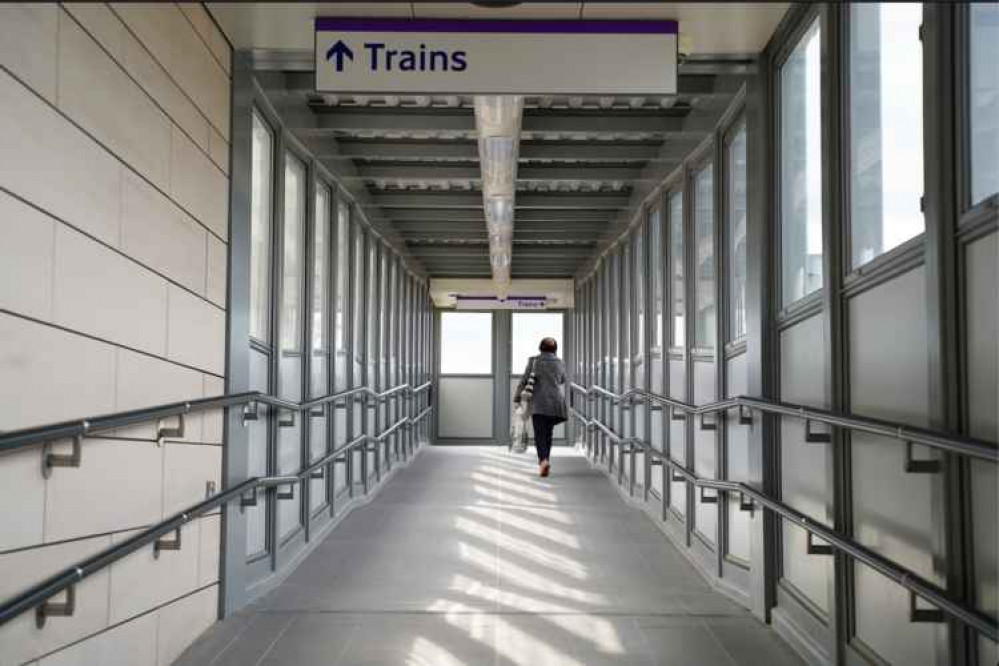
(518, 429)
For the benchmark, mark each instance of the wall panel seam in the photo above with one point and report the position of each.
(111, 627)
(117, 345)
(202, 38)
(96, 535)
(110, 152)
(166, 70)
(142, 88)
(114, 249)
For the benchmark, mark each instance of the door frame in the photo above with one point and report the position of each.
(502, 352)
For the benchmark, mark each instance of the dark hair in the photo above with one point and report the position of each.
(548, 345)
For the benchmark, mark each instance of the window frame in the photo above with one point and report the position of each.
(814, 15)
(969, 214)
(492, 344)
(737, 125)
(854, 275)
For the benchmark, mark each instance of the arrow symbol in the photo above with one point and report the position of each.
(339, 51)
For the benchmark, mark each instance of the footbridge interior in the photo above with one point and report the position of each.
(271, 275)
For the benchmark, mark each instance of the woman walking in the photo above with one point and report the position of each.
(542, 384)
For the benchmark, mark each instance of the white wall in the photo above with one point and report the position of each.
(114, 130)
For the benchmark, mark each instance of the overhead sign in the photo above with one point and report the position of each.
(495, 303)
(431, 56)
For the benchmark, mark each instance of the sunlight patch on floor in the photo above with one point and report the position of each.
(559, 564)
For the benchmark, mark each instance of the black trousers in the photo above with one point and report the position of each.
(543, 427)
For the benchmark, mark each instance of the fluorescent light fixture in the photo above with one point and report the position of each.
(497, 119)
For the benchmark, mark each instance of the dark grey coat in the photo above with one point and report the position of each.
(549, 383)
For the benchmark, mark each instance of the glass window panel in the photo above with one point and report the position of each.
(289, 452)
(291, 277)
(466, 343)
(319, 338)
(384, 306)
(256, 516)
(358, 301)
(677, 279)
(656, 267)
(983, 99)
(262, 160)
(886, 127)
(736, 220)
(320, 279)
(528, 330)
(342, 272)
(801, 169)
(373, 312)
(292, 269)
(641, 274)
(704, 269)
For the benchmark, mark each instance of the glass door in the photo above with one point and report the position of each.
(526, 332)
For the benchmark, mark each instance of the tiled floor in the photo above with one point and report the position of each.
(467, 557)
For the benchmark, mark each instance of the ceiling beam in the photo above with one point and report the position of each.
(556, 252)
(436, 199)
(402, 217)
(375, 149)
(527, 234)
(449, 230)
(417, 171)
(458, 120)
(693, 82)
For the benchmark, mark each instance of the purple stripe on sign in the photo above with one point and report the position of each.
(496, 298)
(580, 27)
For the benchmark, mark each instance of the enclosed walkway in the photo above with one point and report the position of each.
(467, 557)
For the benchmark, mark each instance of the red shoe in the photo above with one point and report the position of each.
(544, 468)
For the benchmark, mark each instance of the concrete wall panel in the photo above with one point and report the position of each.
(28, 44)
(56, 166)
(27, 241)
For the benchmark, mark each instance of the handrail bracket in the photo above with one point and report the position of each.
(56, 609)
(162, 433)
(167, 544)
(913, 466)
(72, 459)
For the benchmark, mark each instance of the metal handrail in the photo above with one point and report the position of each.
(38, 595)
(17, 439)
(946, 441)
(916, 584)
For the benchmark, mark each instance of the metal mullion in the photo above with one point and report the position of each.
(945, 68)
(689, 335)
(277, 263)
(648, 320)
(760, 336)
(331, 284)
(719, 219)
(348, 338)
(362, 342)
(837, 453)
(305, 335)
(375, 346)
(667, 323)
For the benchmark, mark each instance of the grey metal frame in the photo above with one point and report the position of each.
(241, 580)
(838, 542)
(951, 225)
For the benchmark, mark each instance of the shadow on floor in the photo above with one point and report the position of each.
(467, 557)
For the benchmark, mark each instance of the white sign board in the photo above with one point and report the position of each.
(440, 56)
